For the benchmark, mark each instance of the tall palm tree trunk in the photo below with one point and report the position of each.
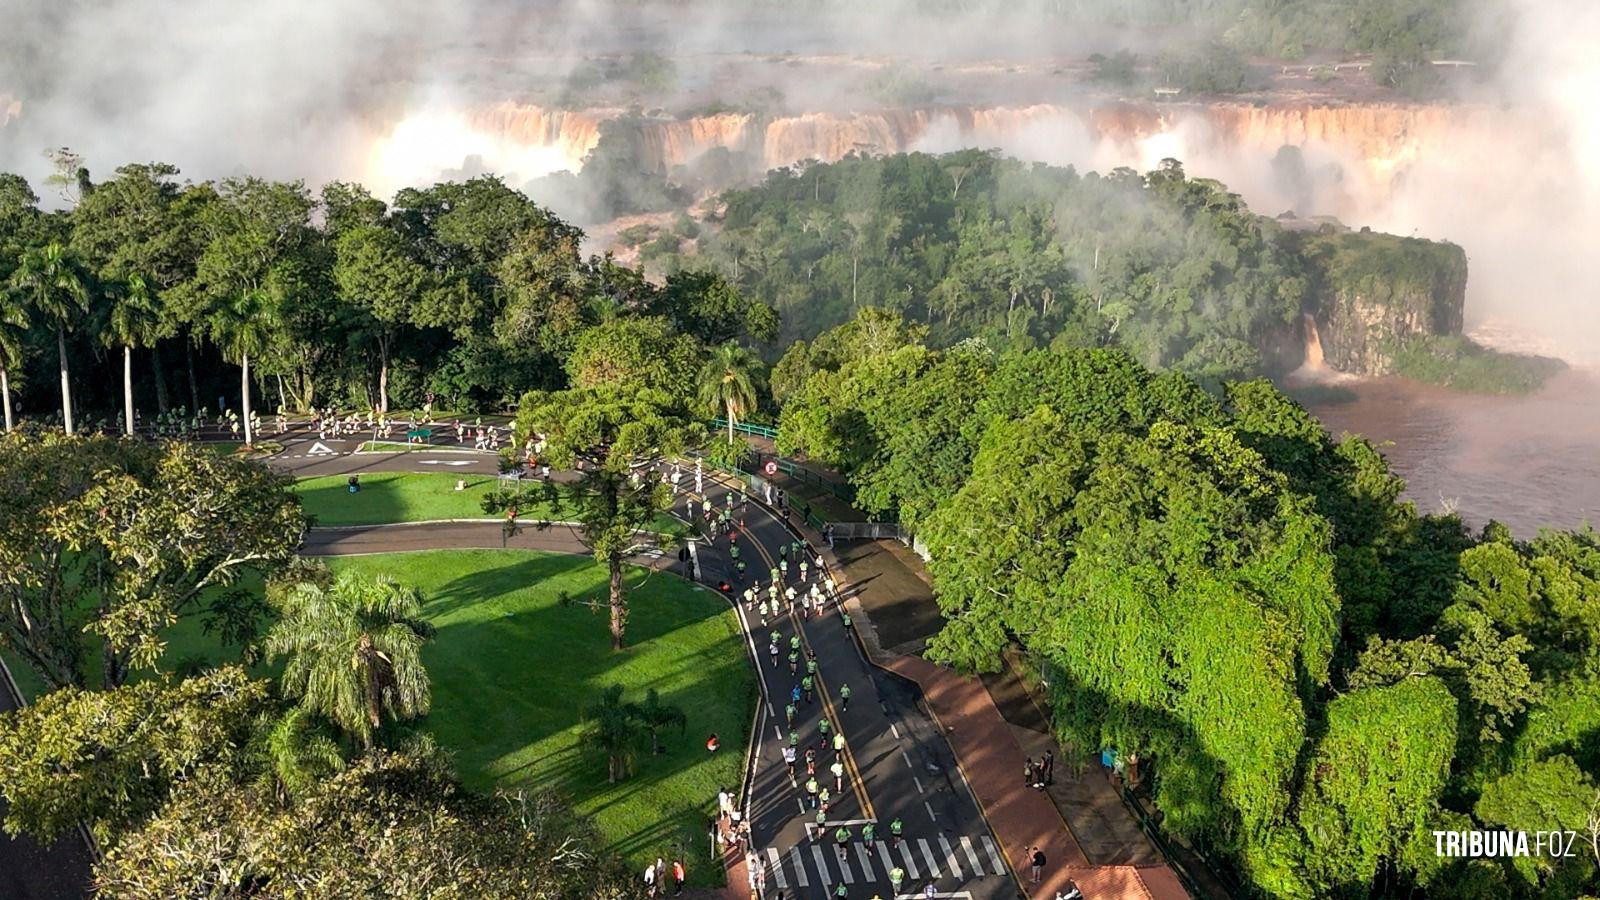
(619, 603)
(244, 388)
(66, 386)
(127, 385)
(5, 391)
(730, 420)
(160, 372)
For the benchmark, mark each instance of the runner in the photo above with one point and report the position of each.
(895, 827)
(789, 711)
(866, 835)
(811, 791)
(838, 775)
(809, 686)
(842, 838)
(838, 744)
(794, 661)
(772, 651)
(788, 762)
(844, 697)
(896, 876)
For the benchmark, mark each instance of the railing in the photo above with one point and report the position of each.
(841, 490)
(766, 431)
(1174, 858)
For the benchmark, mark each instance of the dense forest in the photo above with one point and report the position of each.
(1313, 676)
(469, 292)
(1176, 269)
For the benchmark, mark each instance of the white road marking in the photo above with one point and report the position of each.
(883, 855)
(777, 869)
(919, 784)
(927, 857)
(907, 757)
(972, 855)
(865, 862)
(822, 865)
(910, 858)
(778, 731)
(895, 730)
(444, 462)
(799, 868)
(994, 855)
(954, 896)
(930, 811)
(844, 864)
(949, 856)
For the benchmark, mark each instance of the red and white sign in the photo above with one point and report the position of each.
(771, 467)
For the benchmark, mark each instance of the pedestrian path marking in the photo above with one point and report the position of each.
(320, 449)
(911, 860)
(777, 869)
(972, 855)
(957, 894)
(444, 462)
(844, 865)
(865, 861)
(883, 854)
(799, 868)
(949, 856)
(822, 865)
(927, 855)
(994, 855)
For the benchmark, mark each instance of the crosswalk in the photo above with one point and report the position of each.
(822, 864)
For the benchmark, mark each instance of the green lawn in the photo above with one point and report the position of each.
(412, 497)
(512, 667)
(402, 447)
(397, 497)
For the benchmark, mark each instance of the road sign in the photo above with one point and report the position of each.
(771, 467)
(320, 449)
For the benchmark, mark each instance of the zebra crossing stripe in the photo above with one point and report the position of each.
(844, 866)
(927, 854)
(866, 863)
(950, 857)
(994, 855)
(883, 854)
(911, 864)
(777, 869)
(799, 868)
(972, 856)
(822, 865)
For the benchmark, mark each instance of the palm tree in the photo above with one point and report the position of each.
(54, 281)
(294, 751)
(244, 327)
(728, 382)
(656, 716)
(610, 726)
(13, 325)
(133, 320)
(354, 651)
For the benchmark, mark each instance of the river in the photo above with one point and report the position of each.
(1530, 461)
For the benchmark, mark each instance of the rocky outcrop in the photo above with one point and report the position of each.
(1371, 293)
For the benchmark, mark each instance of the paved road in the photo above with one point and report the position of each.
(898, 764)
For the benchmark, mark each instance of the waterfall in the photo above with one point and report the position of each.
(1313, 341)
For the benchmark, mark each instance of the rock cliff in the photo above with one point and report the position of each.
(1371, 293)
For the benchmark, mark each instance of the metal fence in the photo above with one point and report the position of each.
(766, 431)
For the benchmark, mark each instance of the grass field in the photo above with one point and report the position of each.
(397, 497)
(512, 668)
(403, 447)
(411, 497)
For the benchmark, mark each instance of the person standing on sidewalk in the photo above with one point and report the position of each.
(1036, 865)
(1049, 763)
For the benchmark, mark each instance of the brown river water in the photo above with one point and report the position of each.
(1530, 461)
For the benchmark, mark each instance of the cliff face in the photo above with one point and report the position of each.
(1370, 293)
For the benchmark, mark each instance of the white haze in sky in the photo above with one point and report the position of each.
(314, 89)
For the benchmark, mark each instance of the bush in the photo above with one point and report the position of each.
(1456, 362)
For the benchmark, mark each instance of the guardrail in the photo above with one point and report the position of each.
(1175, 861)
(766, 431)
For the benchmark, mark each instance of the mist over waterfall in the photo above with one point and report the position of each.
(402, 95)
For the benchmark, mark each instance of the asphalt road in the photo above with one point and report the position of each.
(898, 765)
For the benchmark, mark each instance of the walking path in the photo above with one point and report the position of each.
(30, 870)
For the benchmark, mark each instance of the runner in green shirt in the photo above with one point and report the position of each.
(807, 685)
(811, 791)
(790, 711)
(844, 697)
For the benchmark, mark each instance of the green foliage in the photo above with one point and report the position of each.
(139, 536)
(1375, 779)
(1456, 362)
(633, 353)
(1550, 795)
(392, 824)
(108, 758)
(354, 651)
(1214, 68)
